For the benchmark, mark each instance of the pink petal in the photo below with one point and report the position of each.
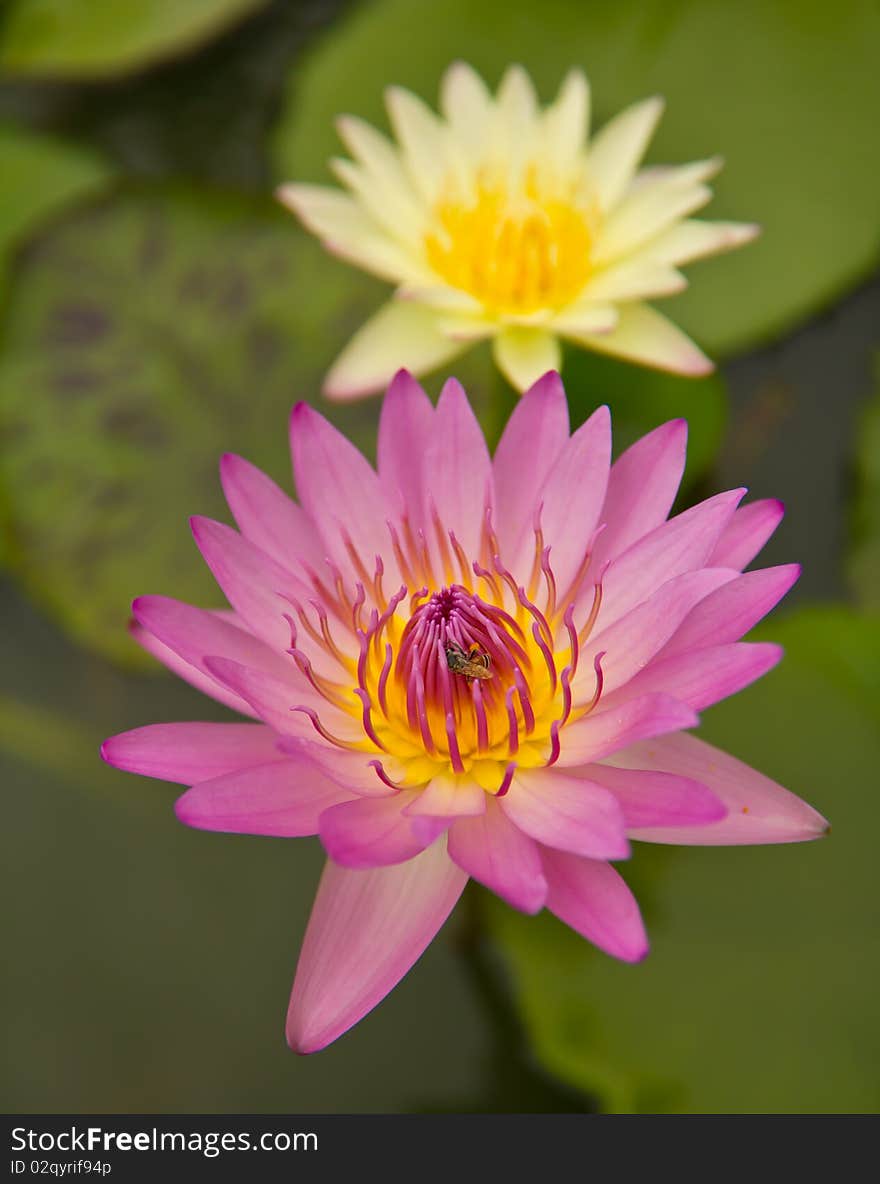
(458, 471)
(366, 930)
(747, 532)
(205, 683)
(406, 425)
(563, 812)
(759, 810)
(684, 543)
(641, 489)
(532, 440)
(658, 799)
(497, 853)
(593, 899)
(254, 584)
(374, 832)
(191, 752)
(339, 490)
(703, 677)
(572, 495)
(447, 797)
(285, 798)
(268, 517)
(636, 637)
(274, 700)
(601, 733)
(733, 609)
(195, 634)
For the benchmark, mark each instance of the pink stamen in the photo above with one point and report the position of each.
(506, 576)
(551, 583)
(368, 719)
(512, 722)
(332, 692)
(565, 678)
(420, 710)
(555, 746)
(451, 736)
(359, 601)
(383, 776)
(482, 722)
(600, 680)
(587, 628)
(326, 634)
(539, 550)
(383, 678)
(537, 614)
(378, 572)
(508, 778)
(580, 575)
(484, 574)
(293, 632)
(524, 701)
(548, 657)
(463, 564)
(322, 731)
(568, 620)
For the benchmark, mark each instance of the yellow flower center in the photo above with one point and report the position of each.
(463, 672)
(516, 248)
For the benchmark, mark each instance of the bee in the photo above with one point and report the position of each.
(472, 664)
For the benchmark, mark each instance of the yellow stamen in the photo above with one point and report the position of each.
(515, 248)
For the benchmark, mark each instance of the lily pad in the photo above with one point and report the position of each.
(786, 92)
(864, 561)
(101, 38)
(759, 994)
(145, 336)
(40, 176)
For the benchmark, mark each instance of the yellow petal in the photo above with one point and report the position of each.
(643, 335)
(523, 355)
(616, 151)
(400, 334)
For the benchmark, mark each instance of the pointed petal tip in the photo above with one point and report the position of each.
(304, 1042)
(638, 954)
(200, 525)
(346, 391)
(698, 366)
(106, 751)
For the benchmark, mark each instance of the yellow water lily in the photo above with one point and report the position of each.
(501, 219)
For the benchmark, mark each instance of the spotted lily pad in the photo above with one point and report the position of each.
(40, 176)
(786, 92)
(97, 38)
(145, 336)
(759, 992)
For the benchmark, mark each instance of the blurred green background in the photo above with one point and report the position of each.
(156, 309)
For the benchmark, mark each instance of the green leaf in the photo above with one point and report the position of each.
(760, 991)
(864, 559)
(786, 92)
(145, 336)
(40, 176)
(642, 399)
(102, 38)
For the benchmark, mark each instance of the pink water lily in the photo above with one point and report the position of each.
(464, 666)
